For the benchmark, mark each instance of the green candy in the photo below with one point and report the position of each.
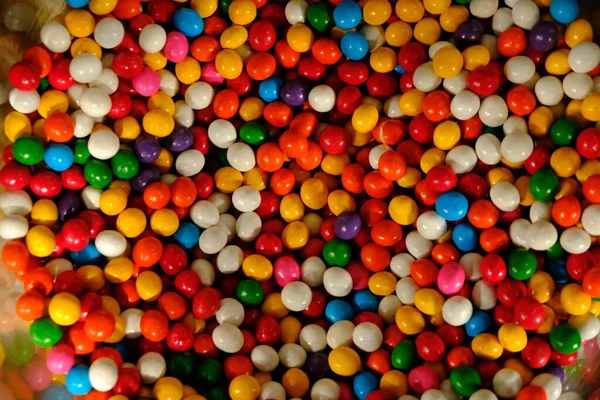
(98, 174)
(44, 84)
(81, 155)
(45, 333)
(543, 185)
(19, 349)
(180, 366)
(463, 1)
(565, 338)
(404, 355)
(224, 5)
(28, 150)
(521, 264)
(254, 133)
(319, 16)
(563, 131)
(556, 252)
(209, 371)
(465, 380)
(222, 157)
(216, 393)
(250, 293)
(337, 252)
(125, 165)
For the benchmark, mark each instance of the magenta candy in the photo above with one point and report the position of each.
(37, 375)
(176, 48)
(210, 75)
(286, 270)
(60, 359)
(147, 82)
(423, 378)
(451, 278)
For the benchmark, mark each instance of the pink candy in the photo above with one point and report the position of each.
(451, 278)
(37, 375)
(147, 82)
(60, 359)
(423, 378)
(286, 270)
(176, 47)
(210, 75)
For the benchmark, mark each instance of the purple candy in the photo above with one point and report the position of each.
(317, 367)
(69, 205)
(147, 149)
(145, 177)
(179, 140)
(294, 93)
(556, 370)
(347, 225)
(543, 36)
(468, 33)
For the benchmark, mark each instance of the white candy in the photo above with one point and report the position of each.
(337, 282)
(189, 162)
(584, 57)
(221, 200)
(517, 147)
(425, 79)
(549, 90)
(248, 226)
(228, 338)
(312, 271)
(204, 214)
(109, 33)
(85, 68)
(367, 336)
(95, 102)
(24, 102)
(465, 105)
(241, 157)
(313, 338)
(230, 311)
(296, 296)
(541, 235)
(103, 374)
(322, 98)
(448, 390)
(325, 389)
(228, 222)
(376, 153)
(457, 310)
(431, 225)
(577, 85)
(184, 115)
(205, 271)
(502, 20)
(55, 37)
(152, 367)
(107, 81)
(487, 148)
(387, 308)
(152, 38)
(433, 394)
(391, 107)
(19, 17)
(505, 196)
(375, 36)
(525, 14)
(292, 355)
(110, 243)
(461, 159)
(575, 240)
(246, 199)
(74, 94)
(212, 240)
(222, 133)
(587, 324)
(264, 358)
(483, 8)
(540, 211)
(295, 11)
(518, 232)
(471, 263)
(230, 259)
(491, 43)
(169, 83)
(550, 383)
(340, 334)
(483, 394)
(591, 219)
(132, 318)
(519, 69)
(493, 111)
(484, 295)
(514, 124)
(437, 46)
(199, 95)
(168, 179)
(400, 264)
(457, 83)
(13, 227)
(272, 391)
(507, 383)
(406, 289)
(417, 245)
(103, 144)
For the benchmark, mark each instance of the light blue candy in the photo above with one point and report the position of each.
(338, 310)
(464, 237)
(269, 89)
(478, 323)
(89, 255)
(564, 11)
(78, 380)
(77, 3)
(452, 206)
(364, 383)
(188, 22)
(364, 300)
(354, 46)
(187, 235)
(57, 392)
(347, 15)
(58, 157)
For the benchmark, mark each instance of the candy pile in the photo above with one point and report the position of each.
(257, 199)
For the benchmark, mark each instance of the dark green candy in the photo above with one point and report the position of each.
(521, 264)
(45, 333)
(28, 150)
(543, 185)
(222, 157)
(319, 16)
(216, 393)
(337, 252)
(404, 355)
(44, 85)
(224, 5)
(81, 154)
(98, 174)
(556, 252)
(565, 338)
(125, 165)
(563, 131)
(465, 380)
(181, 365)
(250, 293)
(254, 133)
(209, 371)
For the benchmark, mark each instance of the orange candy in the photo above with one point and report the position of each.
(154, 325)
(375, 257)
(147, 251)
(157, 195)
(483, 214)
(261, 66)
(269, 157)
(15, 255)
(353, 176)
(424, 272)
(282, 181)
(183, 193)
(293, 144)
(31, 306)
(566, 211)
(205, 48)
(392, 165)
(59, 127)
(386, 233)
(226, 104)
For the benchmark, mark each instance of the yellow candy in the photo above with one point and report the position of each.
(314, 194)
(295, 382)
(432, 158)
(447, 62)
(40, 241)
(540, 121)
(156, 61)
(588, 168)
(403, 210)
(168, 389)
(512, 337)
(44, 212)
(102, 7)
(398, 33)
(80, 23)
(436, 6)
(429, 301)
(340, 201)
(382, 283)
(565, 161)
(2, 354)
(334, 164)
(131, 222)
(427, 31)
(364, 118)
(557, 62)
(164, 162)
(516, 364)
(290, 329)
(590, 108)
(93, 277)
(256, 178)
(228, 179)
(409, 320)
(295, 235)
(148, 285)
(476, 56)
(233, 37)
(85, 46)
(118, 270)
(411, 102)
(578, 31)
(127, 128)
(291, 208)
(394, 382)
(487, 346)
(251, 109)
(64, 309)
(453, 16)
(242, 12)
(162, 101)
(119, 332)
(229, 64)
(499, 174)
(272, 305)
(383, 60)
(522, 185)
(188, 71)
(574, 300)
(257, 267)
(410, 179)
(410, 11)
(16, 125)
(53, 100)
(205, 8)
(113, 201)
(244, 387)
(548, 323)
(376, 12)
(446, 135)
(344, 361)
(158, 123)
(164, 222)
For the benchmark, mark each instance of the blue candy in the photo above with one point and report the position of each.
(558, 271)
(338, 310)
(478, 323)
(78, 380)
(464, 237)
(188, 22)
(564, 11)
(364, 300)
(354, 46)
(121, 348)
(89, 255)
(58, 157)
(364, 383)
(347, 15)
(187, 235)
(57, 392)
(452, 206)
(269, 89)
(77, 3)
